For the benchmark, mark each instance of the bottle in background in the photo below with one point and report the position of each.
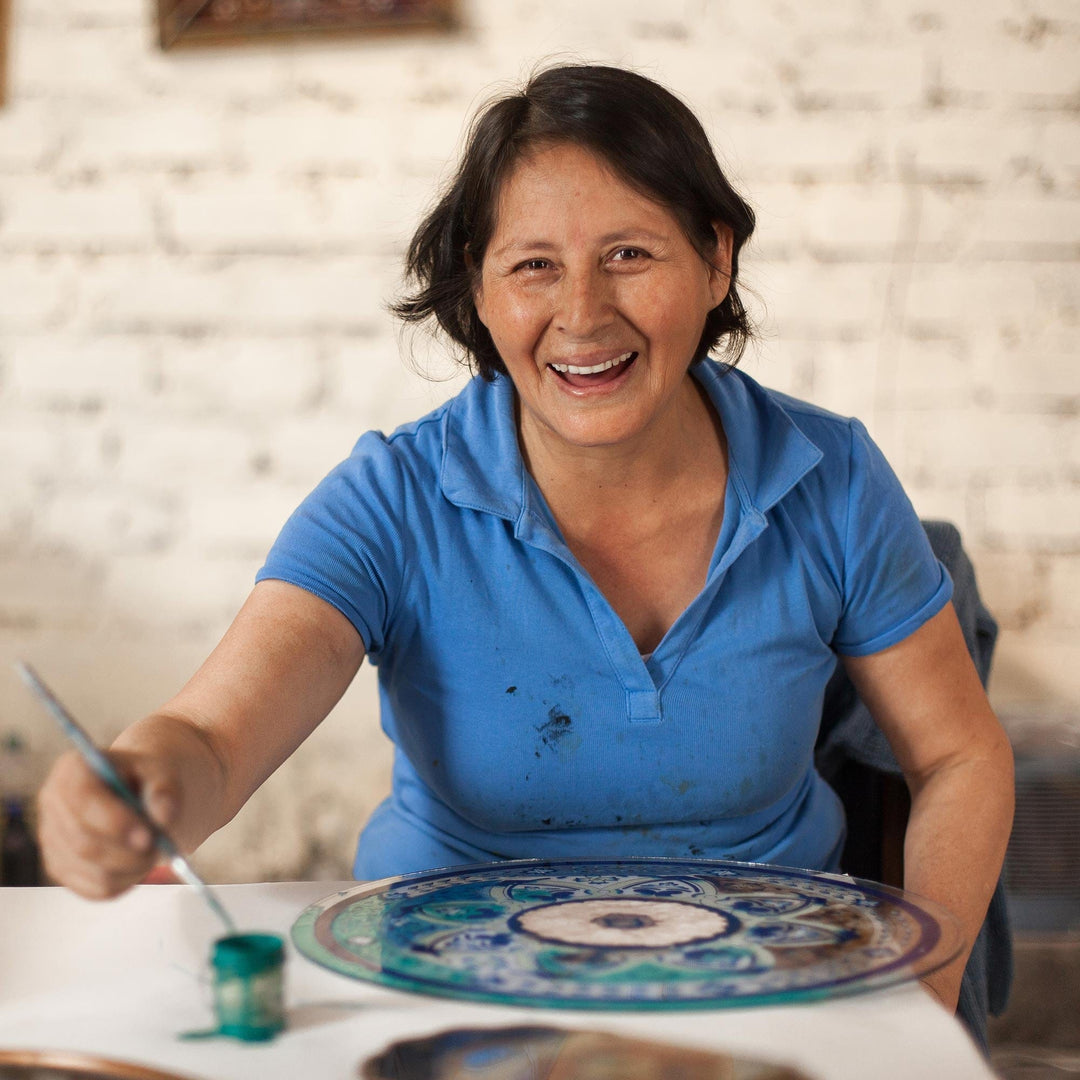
(20, 860)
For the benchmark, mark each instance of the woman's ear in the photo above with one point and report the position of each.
(720, 263)
(476, 286)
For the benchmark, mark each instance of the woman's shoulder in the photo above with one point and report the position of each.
(423, 456)
(810, 418)
(424, 436)
(413, 445)
(778, 440)
(410, 439)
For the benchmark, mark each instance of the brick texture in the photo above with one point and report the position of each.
(196, 250)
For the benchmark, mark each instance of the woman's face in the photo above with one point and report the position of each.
(595, 300)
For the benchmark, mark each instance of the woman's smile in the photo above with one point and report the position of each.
(583, 375)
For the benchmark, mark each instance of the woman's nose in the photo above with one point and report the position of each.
(584, 304)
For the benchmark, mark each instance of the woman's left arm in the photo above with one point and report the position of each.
(925, 694)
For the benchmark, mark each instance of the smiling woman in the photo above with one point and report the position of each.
(596, 302)
(642, 133)
(607, 584)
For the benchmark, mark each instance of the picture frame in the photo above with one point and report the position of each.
(183, 23)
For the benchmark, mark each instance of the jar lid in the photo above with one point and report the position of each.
(247, 954)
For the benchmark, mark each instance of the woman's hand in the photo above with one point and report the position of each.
(944, 988)
(90, 840)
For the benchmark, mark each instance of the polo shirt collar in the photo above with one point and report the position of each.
(768, 454)
(482, 467)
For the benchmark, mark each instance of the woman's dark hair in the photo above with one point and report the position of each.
(650, 139)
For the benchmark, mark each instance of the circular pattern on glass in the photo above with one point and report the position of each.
(628, 934)
(635, 924)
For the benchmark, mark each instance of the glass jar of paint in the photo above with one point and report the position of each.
(249, 998)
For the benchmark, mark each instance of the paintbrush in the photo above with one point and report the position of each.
(105, 769)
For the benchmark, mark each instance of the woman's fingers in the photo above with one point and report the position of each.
(157, 787)
(91, 841)
(90, 867)
(99, 877)
(62, 825)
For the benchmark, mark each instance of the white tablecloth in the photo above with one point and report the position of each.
(122, 979)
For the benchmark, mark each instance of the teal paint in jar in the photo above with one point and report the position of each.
(249, 992)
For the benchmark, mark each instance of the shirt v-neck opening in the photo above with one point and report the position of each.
(642, 676)
(535, 506)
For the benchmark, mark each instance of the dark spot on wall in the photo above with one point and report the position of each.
(536, 753)
(557, 727)
(618, 817)
(695, 850)
(511, 689)
(262, 464)
(434, 763)
(545, 821)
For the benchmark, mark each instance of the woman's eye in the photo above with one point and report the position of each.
(533, 264)
(627, 254)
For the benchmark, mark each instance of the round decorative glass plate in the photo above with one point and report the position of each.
(628, 934)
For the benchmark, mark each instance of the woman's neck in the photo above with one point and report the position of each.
(683, 447)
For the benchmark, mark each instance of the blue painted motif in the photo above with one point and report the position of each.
(778, 934)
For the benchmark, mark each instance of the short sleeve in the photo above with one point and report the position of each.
(892, 581)
(344, 542)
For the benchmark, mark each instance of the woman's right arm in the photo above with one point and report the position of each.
(281, 667)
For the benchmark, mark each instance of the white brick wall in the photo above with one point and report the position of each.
(196, 249)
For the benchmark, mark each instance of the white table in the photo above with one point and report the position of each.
(121, 979)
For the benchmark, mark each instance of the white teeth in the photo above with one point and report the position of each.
(573, 369)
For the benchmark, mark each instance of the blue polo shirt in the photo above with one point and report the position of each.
(525, 722)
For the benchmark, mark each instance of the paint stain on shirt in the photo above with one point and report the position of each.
(680, 787)
(556, 729)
